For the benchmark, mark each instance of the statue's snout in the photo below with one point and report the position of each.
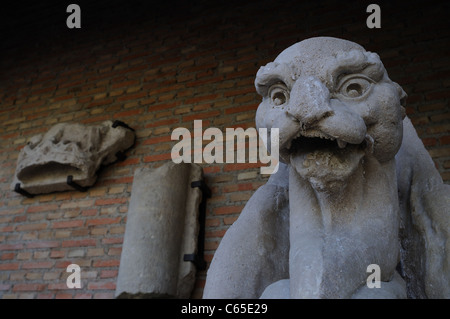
(311, 105)
(309, 101)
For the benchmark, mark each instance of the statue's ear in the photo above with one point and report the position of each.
(403, 96)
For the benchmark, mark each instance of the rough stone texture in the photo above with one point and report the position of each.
(69, 149)
(162, 226)
(357, 188)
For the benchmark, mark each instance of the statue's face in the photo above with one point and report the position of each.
(333, 104)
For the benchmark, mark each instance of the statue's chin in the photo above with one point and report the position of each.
(329, 168)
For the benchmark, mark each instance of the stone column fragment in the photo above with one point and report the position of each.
(162, 226)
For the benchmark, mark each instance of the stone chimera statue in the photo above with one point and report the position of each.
(357, 187)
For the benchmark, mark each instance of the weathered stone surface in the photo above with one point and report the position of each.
(162, 226)
(69, 149)
(357, 187)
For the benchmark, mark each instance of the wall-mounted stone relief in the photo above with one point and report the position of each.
(357, 187)
(69, 155)
(162, 233)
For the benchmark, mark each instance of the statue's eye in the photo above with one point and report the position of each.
(278, 94)
(354, 87)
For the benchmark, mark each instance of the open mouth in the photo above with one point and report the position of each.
(307, 144)
(316, 153)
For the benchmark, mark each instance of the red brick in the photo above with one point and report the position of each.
(28, 227)
(162, 106)
(124, 84)
(157, 140)
(57, 286)
(227, 210)
(240, 166)
(11, 135)
(7, 256)
(44, 90)
(79, 243)
(13, 211)
(62, 264)
(68, 224)
(132, 96)
(63, 97)
(212, 169)
(11, 246)
(121, 180)
(102, 285)
(100, 103)
(112, 240)
(43, 244)
(127, 113)
(444, 140)
(5, 287)
(239, 92)
(103, 221)
(241, 108)
(162, 123)
(429, 141)
(104, 295)
(108, 274)
(89, 212)
(157, 157)
(42, 208)
(197, 99)
(238, 187)
(215, 233)
(230, 220)
(100, 118)
(199, 116)
(114, 251)
(57, 254)
(37, 265)
(9, 266)
(6, 229)
(129, 161)
(28, 287)
(110, 201)
(106, 263)
(437, 95)
(204, 81)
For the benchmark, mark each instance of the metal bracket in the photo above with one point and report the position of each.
(117, 123)
(199, 258)
(21, 191)
(70, 182)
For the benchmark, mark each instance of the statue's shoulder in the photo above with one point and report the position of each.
(272, 196)
(281, 177)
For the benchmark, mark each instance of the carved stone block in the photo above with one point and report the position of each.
(69, 149)
(162, 226)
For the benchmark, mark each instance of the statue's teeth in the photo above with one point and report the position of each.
(341, 143)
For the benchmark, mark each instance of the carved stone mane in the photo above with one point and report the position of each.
(357, 187)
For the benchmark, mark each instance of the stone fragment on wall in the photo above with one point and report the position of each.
(69, 149)
(162, 226)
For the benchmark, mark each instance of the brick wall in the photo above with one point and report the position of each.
(157, 68)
